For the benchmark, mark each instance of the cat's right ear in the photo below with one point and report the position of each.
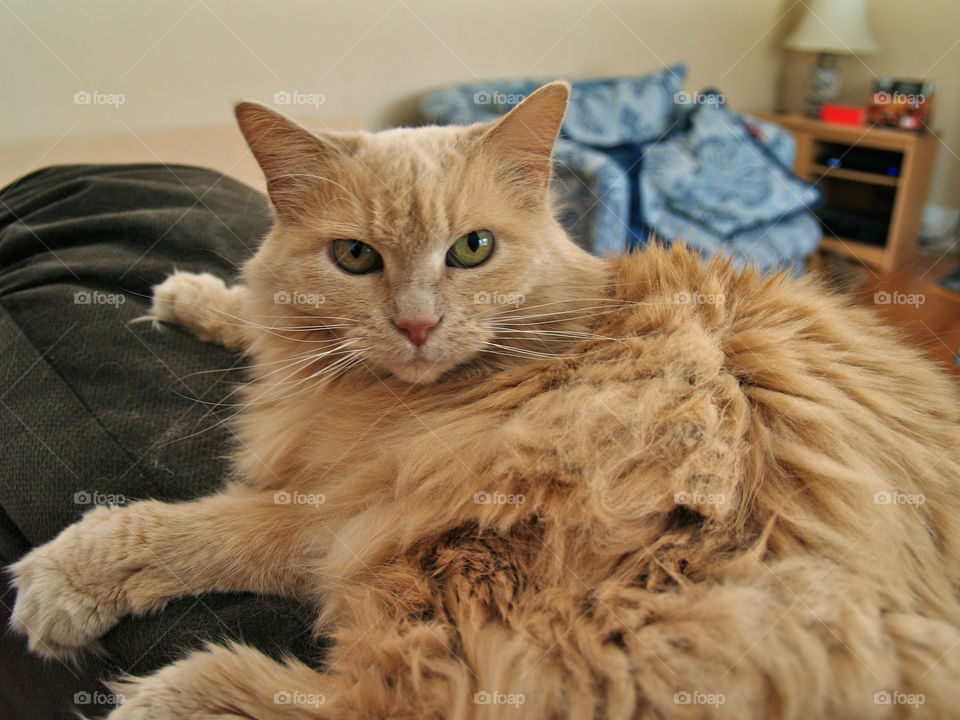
(292, 158)
(524, 138)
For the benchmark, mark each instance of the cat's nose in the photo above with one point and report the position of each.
(417, 329)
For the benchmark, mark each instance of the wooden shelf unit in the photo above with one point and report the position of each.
(856, 175)
(916, 152)
(861, 252)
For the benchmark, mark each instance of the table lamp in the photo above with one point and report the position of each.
(830, 28)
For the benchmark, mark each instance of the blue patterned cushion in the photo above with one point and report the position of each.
(605, 113)
(594, 195)
(719, 176)
(611, 129)
(602, 113)
(777, 140)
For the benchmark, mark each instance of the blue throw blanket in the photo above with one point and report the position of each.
(637, 156)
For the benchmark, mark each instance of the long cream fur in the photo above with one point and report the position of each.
(721, 495)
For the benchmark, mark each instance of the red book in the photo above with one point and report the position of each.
(843, 114)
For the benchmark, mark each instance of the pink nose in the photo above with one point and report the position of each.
(417, 329)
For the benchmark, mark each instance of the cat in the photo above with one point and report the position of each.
(521, 481)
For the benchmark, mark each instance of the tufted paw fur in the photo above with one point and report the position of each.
(201, 303)
(58, 613)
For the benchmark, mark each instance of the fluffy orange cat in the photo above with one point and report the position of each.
(524, 482)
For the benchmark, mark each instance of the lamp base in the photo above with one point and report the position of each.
(823, 85)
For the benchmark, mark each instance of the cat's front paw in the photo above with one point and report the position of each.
(201, 303)
(182, 297)
(55, 607)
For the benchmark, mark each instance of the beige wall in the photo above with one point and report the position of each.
(916, 39)
(183, 62)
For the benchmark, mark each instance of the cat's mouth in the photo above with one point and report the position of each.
(419, 370)
(422, 365)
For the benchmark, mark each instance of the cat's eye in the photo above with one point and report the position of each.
(471, 249)
(356, 257)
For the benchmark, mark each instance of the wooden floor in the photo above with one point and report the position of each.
(931, 317)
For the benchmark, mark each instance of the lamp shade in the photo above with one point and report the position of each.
(834, 26)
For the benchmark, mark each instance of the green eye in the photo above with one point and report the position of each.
(356, 257)
(471, 249)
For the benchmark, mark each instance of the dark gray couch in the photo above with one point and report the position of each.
(93, 409)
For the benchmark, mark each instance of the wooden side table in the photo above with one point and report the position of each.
(875, 184)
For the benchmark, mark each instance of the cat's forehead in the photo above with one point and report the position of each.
(436, 138)
(407, 181)
(404, 154)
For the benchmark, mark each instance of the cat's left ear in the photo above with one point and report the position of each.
(523, 139)
(292, 158)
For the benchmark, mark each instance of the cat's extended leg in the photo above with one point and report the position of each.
(121, 560)
(203, 304)
(227, 682)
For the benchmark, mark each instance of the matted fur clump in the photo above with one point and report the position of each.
(652, 487)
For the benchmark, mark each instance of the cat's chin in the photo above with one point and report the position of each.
(418, 372)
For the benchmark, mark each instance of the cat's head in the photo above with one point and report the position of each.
(419, 249)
